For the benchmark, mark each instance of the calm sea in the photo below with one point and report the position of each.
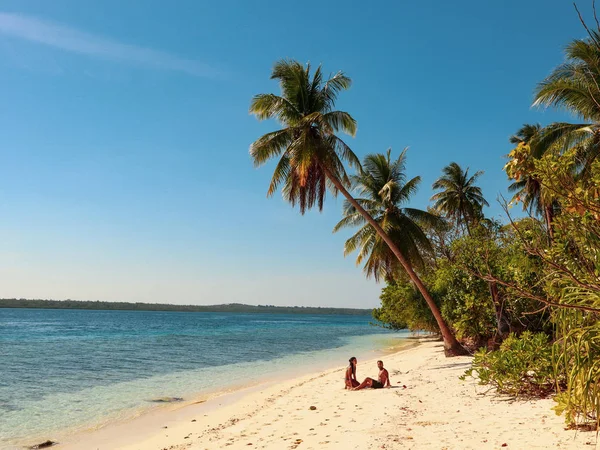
(69, 369)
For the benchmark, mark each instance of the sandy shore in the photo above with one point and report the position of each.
(434, 411)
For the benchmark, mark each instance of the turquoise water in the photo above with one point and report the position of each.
(69, 369)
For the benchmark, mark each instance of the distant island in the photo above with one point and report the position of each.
(125, 306)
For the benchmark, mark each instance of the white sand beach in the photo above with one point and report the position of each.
(428, 407)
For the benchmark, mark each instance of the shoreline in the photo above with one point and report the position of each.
(144, 418)
(428, 407)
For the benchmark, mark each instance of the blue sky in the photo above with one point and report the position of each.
(125, 133)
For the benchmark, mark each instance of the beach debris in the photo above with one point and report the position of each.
(193, 420)
(312, 408)
(166, 400)
(505, 445)
(45, 444)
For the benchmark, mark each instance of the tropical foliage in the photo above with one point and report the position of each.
(522, 294)
(311, 158)
(384, 192)
(402, 307)
(521, 367)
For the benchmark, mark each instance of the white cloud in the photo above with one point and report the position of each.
(71, 40)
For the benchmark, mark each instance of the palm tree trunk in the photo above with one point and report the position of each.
(451, 346)
(549, 215)
(466, 220)
(493, 287)
(500, 317)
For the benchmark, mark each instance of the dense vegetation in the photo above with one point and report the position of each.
(124, 306)
(524, 295)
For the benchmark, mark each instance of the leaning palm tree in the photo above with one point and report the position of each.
(311, 155)
(384, 190)
(459, 198)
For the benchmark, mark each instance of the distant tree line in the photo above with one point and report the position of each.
(125, 306)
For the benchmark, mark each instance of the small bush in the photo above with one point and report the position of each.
(521, 367)
(577, 360)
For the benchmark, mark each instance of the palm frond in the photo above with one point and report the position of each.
(340, 121)
(270, 145)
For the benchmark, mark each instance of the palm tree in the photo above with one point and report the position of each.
(459, 198)
(311, 155)
(574, 86)
(384, 190)
(527, 188)
(531, 143)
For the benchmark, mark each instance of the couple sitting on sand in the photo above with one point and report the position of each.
(383, 380)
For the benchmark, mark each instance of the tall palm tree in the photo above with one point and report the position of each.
(384, 190)
(311, 155)
(459, 198)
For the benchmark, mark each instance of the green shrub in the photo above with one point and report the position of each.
(402, 306)
(522, 366)
(466, 302)
(577, 361)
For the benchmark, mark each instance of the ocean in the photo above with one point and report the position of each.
(69, 370)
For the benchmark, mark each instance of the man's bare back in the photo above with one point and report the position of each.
(384, 377)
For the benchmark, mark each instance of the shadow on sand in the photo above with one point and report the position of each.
(452, 366)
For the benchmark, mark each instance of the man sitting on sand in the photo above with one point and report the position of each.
(382, 381)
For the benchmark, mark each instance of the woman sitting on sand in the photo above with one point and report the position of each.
(350, 379)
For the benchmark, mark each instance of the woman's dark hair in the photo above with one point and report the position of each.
(352, 365)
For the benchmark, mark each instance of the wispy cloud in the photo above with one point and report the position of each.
(71, 40)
